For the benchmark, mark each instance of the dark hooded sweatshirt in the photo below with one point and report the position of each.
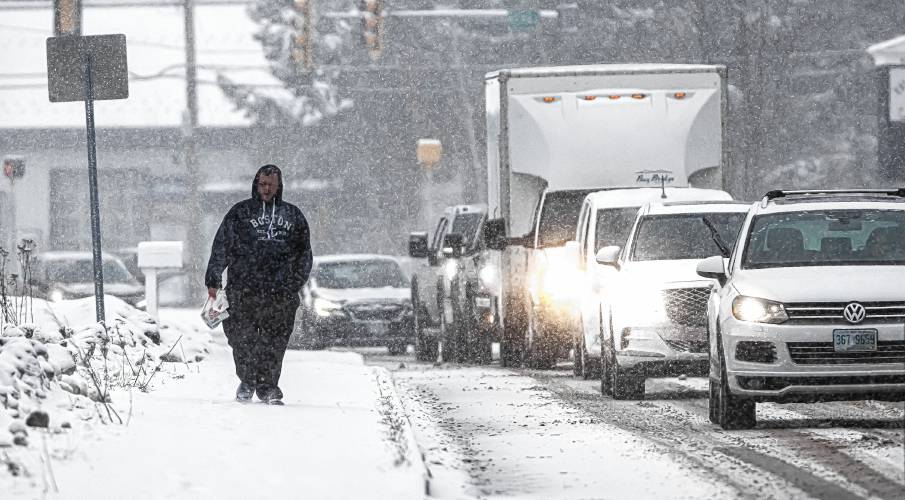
(264, 246)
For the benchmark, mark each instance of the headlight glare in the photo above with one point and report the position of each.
(57, 295)
(452, 266)
(758, 310)
(324, 307)
(488, 276)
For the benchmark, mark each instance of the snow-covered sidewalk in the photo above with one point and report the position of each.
(341, 434)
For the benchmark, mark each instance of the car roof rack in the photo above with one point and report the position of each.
(779, 193)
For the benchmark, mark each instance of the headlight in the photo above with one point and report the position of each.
(452, 266)
(758, 310)
(324, 307)
(57, 295)
(488, 276)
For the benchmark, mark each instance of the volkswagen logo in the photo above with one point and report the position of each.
(854, 313)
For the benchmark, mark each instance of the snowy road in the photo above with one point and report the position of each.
(489, 432)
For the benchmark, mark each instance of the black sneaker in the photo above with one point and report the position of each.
(244, 392)
(272, 396)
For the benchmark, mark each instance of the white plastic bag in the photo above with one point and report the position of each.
(215, 311)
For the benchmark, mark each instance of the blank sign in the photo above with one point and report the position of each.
(66, 58)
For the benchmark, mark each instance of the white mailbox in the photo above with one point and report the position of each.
(152, 257)
(160, 254)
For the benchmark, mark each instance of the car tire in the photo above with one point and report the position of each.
(624, 384)
(426, 349)
(714, 401)
(590, 367)
(577, 359)
(512, 343)
(732, 412)
(479, 342)
(541, 354)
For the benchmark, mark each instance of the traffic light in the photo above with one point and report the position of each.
(14, 167)
(302, 47)
(372, 26)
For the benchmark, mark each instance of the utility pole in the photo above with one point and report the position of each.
(190, 123)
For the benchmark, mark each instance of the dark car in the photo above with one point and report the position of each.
(63, 275)
(355, 300)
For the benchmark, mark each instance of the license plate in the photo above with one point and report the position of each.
(377, 328)
(854, 340)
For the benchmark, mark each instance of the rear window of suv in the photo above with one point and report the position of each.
(826, 238)
(684, 236)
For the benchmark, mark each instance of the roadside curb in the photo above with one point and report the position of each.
(402, 430)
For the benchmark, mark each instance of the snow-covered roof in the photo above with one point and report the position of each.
(156, 58)
(635, 197)
(353, 257)
(596, 69)
(888, 53)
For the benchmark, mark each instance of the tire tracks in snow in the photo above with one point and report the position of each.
(814, 467)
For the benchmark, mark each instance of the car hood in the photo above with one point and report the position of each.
(115, 289)
(823, 284)
(672, 273)
(386, 294)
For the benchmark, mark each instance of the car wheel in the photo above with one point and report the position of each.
(625, 384)
(577, 358)
(426, 349)
(733, 412)
(479, 343)
(513, 339)
(541, 353)
(714, 401)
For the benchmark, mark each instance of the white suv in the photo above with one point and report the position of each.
(811, 303)
(654, 313)
(606, 219)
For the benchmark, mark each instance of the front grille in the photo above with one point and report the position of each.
(375, 312)
(755, 351)
(687, 306)
(831, 312)
(696, 346)
(822, 353)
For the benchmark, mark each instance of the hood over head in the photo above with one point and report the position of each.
(269, 169)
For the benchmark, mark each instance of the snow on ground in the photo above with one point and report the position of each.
(341, 434)
(503, 425)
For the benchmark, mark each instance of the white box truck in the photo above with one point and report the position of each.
(556, 134)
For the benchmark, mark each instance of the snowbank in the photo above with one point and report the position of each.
(61, 366)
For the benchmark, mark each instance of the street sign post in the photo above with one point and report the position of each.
(87, 68)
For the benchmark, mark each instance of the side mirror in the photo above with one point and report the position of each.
(418, 248)
(713, 268)
(608, 256)
(452, 245)
(494, 234)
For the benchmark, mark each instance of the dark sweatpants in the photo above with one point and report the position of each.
(258, 330)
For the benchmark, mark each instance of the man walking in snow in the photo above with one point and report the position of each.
(263, 243)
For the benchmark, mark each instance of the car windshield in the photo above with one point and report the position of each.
(559, 216)
(826, 238)
(467, 226)
(613, 226)
(684, 236)
(360, 274)
(82, 271)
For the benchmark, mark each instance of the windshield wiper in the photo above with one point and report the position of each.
(715, 235)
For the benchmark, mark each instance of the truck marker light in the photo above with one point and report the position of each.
(680, 95)
(638, 96)
(549, 99)
(589, 97)
(614, 97)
